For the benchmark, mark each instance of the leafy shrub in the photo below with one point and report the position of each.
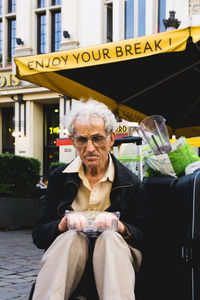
(18, 175)
(55, 165)
(7, 189)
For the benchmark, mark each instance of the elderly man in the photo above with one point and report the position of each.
(94, 181)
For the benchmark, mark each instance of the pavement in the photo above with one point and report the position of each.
(19, 264)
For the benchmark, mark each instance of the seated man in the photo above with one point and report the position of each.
(94, 181)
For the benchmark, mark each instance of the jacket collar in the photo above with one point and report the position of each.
(121, 178)
(76, 166)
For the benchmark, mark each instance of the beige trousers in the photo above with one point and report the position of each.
(63, 264)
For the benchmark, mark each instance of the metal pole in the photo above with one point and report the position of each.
(20, 102)
(140, 164)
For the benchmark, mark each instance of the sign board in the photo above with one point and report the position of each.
(124, 129)
(195, 7)
(63, 142)
(8, 80)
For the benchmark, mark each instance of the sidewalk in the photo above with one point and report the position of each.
(19, 264)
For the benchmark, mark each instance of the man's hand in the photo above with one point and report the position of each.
(108, 220)
(121, 227)
(62, 226)
(104, 220)
(72, 221)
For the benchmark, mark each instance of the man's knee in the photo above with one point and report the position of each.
(78, 242)
(69, 242)
(76, 235)
(111, 243)
(73, 237)
(110, 236)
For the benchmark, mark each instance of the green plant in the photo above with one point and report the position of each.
(18, 175)
(55, 165)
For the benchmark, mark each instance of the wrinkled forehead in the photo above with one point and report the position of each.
(92, 123)
(89, 120)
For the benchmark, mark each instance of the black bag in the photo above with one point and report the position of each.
(171, 264)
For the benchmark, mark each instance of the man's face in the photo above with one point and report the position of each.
(93, 153)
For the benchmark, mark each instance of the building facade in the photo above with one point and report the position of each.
(32, 117)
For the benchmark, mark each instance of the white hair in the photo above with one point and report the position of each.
(86, 110)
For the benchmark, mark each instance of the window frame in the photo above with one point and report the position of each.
(161, 15)
(1, 7)
(49, 11)
(109, 25)
(40, 3)
(1, 41)
(53, 2)
(128, 35)
(141, 18)
(10, 39)
(53, 29)
(11, 8)
(39, 43)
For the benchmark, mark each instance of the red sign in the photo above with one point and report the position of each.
(67, 142)
(119, 135)
(63, 142)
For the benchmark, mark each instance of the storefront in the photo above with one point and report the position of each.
(32, 117)
(29, 120)
(8, 127)
(50, 134)
(8, 83)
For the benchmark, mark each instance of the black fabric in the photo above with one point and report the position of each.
(158, 84)
(32, 291)
(128, 196)
(168, 271)
(171, 263)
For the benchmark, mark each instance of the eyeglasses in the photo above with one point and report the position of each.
(97, 140)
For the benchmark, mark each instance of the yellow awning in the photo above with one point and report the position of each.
(102, 54)
(194, 142)
(156, 74)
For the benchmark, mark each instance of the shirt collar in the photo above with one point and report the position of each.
(76, 166)
(110, 172)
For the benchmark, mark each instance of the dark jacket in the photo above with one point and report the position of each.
(128, 196)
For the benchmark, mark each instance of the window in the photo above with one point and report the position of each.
(109, 22)
(1, 48)
(41, 3)
(7, 31)
(1, 7)
(56, 2)
(129, 19)
(161, 15)
(56, 30)
(41, 46)
(135, 18)
(48, 26)
(141, 17)
(11, 6)
(11, 38)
